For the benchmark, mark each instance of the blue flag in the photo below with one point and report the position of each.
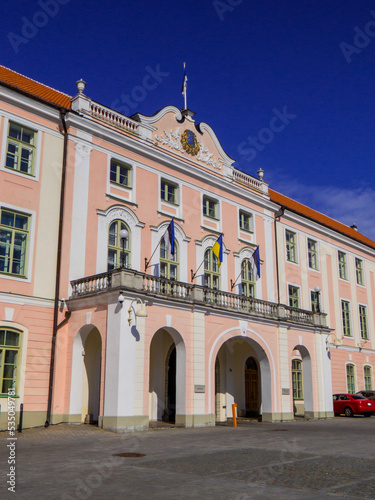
(169, 239)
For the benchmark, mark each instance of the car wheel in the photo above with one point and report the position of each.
(348, 412)
(367, 414)
(337, 414)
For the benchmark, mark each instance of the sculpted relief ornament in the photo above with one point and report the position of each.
(188, 143)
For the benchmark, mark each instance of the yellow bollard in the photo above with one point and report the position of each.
(234, 413)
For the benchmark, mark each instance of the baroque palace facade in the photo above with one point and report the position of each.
(99, 322)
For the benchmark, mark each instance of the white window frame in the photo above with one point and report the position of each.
(296, 262)
(27, 278)
(38, 146)
(299, 295)
(317, 269)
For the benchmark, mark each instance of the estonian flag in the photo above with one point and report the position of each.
(169, 239)
(255, 263)
(217, 249)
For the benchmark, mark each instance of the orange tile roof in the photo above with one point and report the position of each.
(35, 89)
(299, 208)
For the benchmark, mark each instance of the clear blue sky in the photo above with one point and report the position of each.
(245, 60)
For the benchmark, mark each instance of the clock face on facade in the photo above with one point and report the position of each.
(189, 143)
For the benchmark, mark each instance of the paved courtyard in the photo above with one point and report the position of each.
(324, 459)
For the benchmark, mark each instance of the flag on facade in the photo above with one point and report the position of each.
(169, 239)
(255, 263)
(217, 249)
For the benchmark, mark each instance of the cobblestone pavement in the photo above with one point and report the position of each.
(325, 459)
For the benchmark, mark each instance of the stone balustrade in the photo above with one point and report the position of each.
(145, 284)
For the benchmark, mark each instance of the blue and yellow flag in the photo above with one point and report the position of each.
(217, 249)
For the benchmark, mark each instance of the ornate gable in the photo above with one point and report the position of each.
(177, 132)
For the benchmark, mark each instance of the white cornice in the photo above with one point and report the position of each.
(29, 104)
(25, 300)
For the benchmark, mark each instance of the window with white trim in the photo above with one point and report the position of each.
(297, 379)
(245, 221)
(367, 375)
(120, 173)
(168, 192)
(363, 322)
(14, 239)
(247, 279)
(312, 249)
(350, 378)
(168, 263)
(359, 271)
(20, 149)
(291, 246)
(346, 326)
(343, 270)
(118, 249)
(10, 342)
(294, 300)
(211, 270)
(210, 207)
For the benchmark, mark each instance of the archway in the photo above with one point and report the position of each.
(167, 381)
(302, 385)
(237, 357)
(86, 374)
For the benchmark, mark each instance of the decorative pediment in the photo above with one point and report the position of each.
(176, 131)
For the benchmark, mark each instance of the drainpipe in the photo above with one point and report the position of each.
(58, 268)
(278, 215)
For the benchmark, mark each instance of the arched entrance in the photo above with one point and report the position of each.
(170, 389)
(86, 374)
(251, 387)
(242, 376)
(167, 376)
(302, 386)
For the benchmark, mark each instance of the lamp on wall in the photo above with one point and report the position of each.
(124, 234)
(140, 312)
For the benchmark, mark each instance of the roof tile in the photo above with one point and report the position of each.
(33, 88)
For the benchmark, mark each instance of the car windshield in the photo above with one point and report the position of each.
(356, 396)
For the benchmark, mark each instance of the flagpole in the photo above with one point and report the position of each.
(232, 285)
(185, 87)
(193, 275)
(147, 262)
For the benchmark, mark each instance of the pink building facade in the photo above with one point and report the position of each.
(100, 323)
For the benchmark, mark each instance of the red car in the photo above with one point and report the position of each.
(351, 404)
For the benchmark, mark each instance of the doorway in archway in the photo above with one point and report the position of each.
(251, 387)
(170, 389)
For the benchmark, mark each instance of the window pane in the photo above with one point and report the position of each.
(7, 218)
(12, 338)
(14, 131)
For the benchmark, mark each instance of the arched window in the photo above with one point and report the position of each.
(367, 373)
(118, 251)
(247, 279)
(297, 379)
(211, 270)
(168, 263)
(10, 341)
(350, 379)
